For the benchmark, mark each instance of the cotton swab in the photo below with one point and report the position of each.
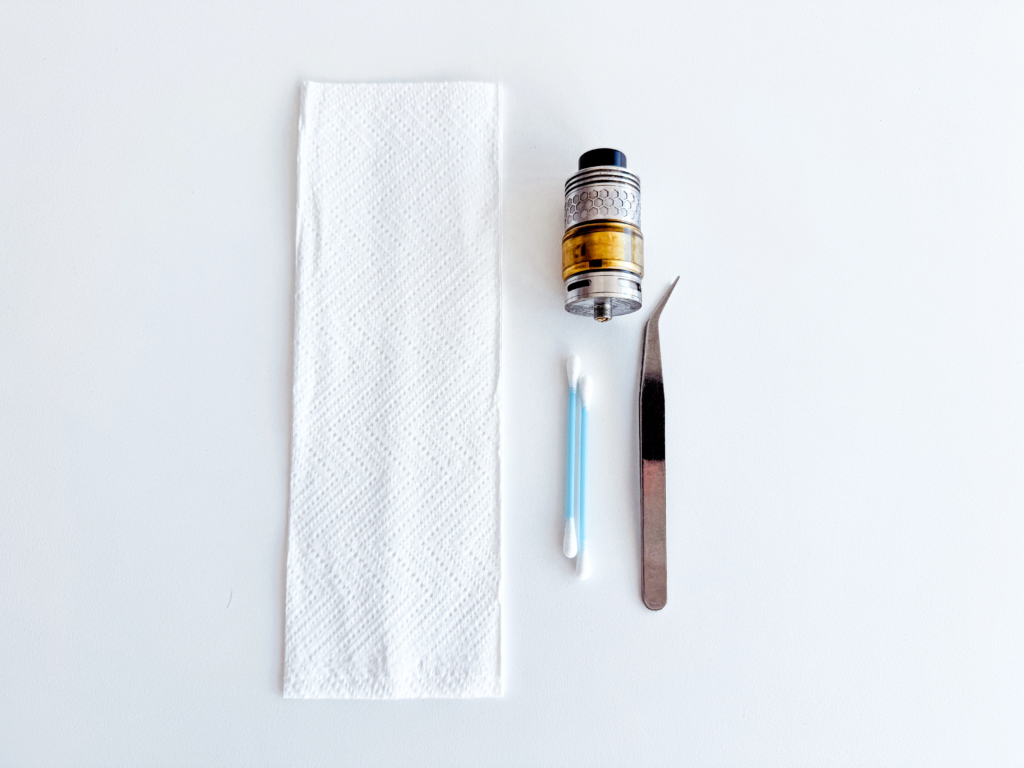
(582, 556)
(569, 540)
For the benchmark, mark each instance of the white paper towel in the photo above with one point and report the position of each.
(394, 560)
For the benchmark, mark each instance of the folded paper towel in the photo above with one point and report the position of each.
(394, 559)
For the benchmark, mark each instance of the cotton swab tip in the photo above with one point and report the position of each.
(586, 390)
(569, 540)
(572, 367)
(582, 564)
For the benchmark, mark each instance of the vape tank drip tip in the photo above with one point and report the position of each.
(603, 248)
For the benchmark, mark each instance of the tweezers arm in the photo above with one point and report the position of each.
(654, 580)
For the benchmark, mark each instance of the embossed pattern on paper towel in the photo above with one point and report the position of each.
(394, 552)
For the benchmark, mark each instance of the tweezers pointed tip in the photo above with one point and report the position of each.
(661, 304)
(671, 289)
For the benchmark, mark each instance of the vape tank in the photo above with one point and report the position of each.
(603, 248)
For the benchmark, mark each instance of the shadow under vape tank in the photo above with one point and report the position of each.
(603, 248)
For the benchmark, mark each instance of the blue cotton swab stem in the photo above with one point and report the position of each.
(572, 368)
(582, 556)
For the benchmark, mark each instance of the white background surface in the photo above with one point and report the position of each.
(842, 192)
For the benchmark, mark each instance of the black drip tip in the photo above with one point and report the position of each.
(602, 157)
